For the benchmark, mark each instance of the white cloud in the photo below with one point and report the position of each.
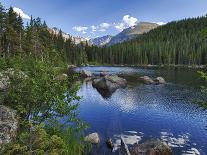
(80, 28)
(105, 25)
(160, 23)
(94, 28)
(129, 21)
(102, 30)
(119, 26)
(21, 13)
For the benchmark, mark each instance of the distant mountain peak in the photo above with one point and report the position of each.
(100, 41)
(75, 39)
(132, 32)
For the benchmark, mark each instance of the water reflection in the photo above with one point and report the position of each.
(180, 141)
(166, 111)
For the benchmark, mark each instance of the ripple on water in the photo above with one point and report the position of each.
(166, 112)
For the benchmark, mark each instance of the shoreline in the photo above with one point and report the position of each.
(149, 66)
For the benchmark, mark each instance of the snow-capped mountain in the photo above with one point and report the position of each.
(75, 39)
(100, 41)
(132, 32)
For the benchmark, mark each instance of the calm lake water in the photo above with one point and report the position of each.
(141, 112)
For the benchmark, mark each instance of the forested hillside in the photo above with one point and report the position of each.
(178, 42)
(34, 39)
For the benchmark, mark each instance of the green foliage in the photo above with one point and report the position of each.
(34, 58)
(36, 141)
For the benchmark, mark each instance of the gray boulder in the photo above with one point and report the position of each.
(109, 83)
(4, 83)
(147, 80)
(151, 147)
(71, 70)
(10, 73)
(103, 73)
(62, 77)
(8, 124)
(160, 80)
(86, 74)
(92, 138)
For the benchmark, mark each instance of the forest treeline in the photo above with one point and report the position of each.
(178, 42)
(35, 39)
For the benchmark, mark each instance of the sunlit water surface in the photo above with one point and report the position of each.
(141, 112)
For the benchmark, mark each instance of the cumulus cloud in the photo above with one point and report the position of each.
(102, 30)
(160, 23)
(127, 21)
(21, 13)
(119, 26)
(94, 28)
(80, 29)
(105, 25)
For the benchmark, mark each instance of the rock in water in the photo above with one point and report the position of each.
(103, 73)
(110, 144)
(8, 124)
(151, 147)
(146, 80)
(109, 83)
(160, 80)
(92, 138)
(86, 74)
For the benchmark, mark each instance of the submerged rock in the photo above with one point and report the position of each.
(86, 74)
(160, 80)
(109, 82)
(103, 73)
(8, 124)
(124, 148)
(110, 144)
(92, 138)
(151, 147)
(147, 80)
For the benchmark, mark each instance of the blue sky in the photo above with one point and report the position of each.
(92, 18)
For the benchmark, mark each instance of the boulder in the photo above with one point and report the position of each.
(86, 74)
(4, 83)
(147, 80)
(109, 83)
(103, 73)
(151, 147)
(8, 124)
(92, 138)
(159, 80)
(71, 70)
(10, 73)
(62, 77)
(110, 144)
